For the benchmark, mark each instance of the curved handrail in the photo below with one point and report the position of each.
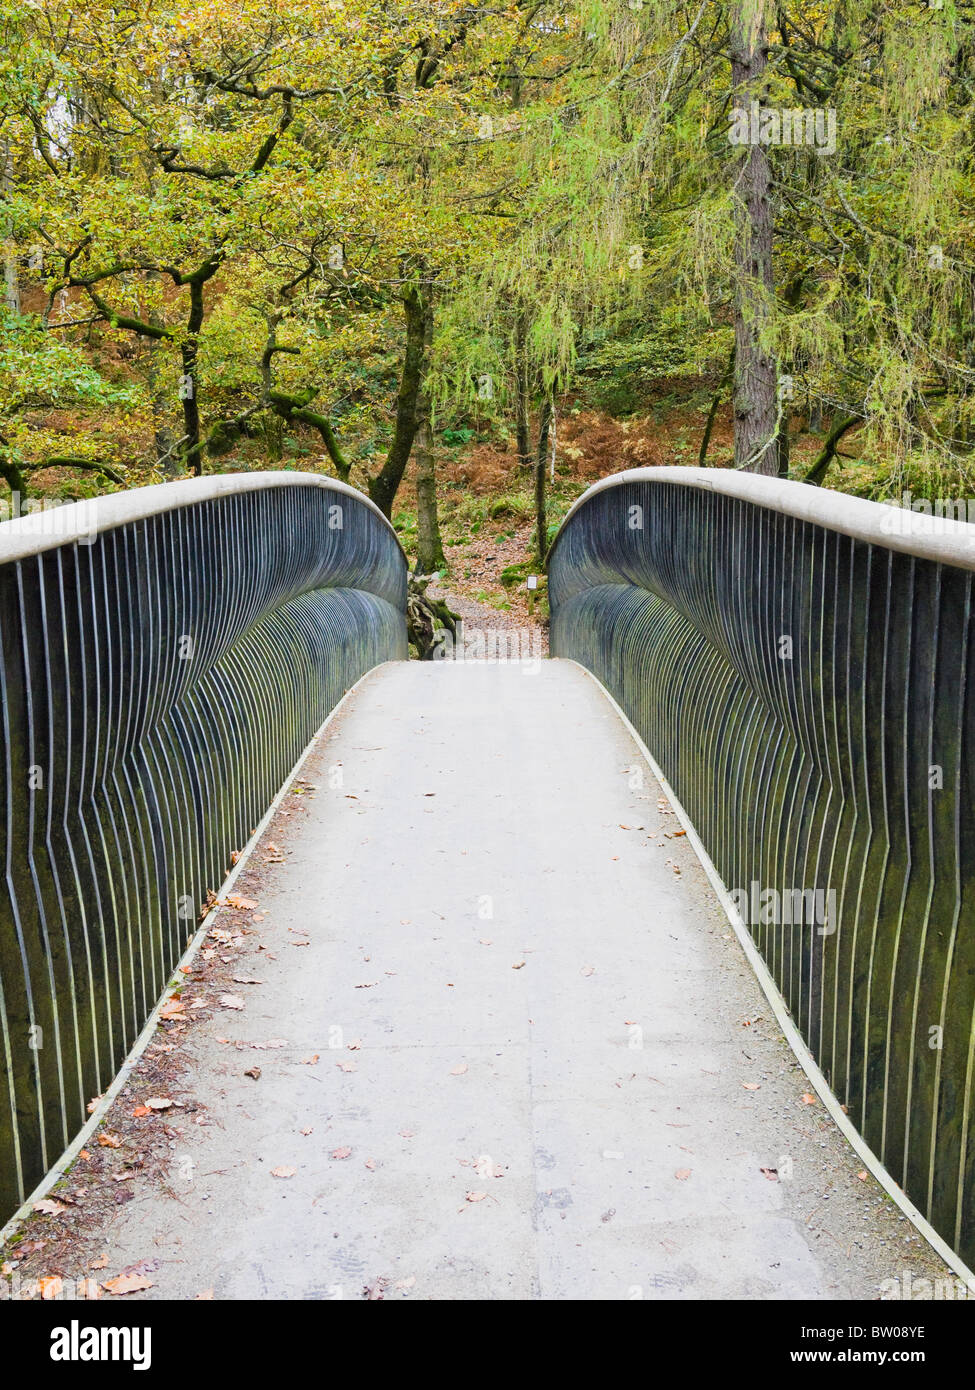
(897, 528)
(166, 654)
(83, 520)
(801, 665)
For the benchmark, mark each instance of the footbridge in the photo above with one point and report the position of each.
(647, 970)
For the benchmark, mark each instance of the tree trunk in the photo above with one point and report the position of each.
(189, 383)
(430, 556)
(522, 432)
(755, 391)
(541, 458)
(165, 441)
(10, 272)
(383, 488)
(713, 412)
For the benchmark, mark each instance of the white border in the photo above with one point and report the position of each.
(777, 1003)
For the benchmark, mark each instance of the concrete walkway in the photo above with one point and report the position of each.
(544, 1068)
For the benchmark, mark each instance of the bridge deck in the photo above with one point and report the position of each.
(532, 1034)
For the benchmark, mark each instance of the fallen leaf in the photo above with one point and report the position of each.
(101, 1262)
(354, 1045)
(588, 970)
(49, 1207)
(808, 1099)
(459, 1069)
(341, 1153)
(174, 1009)
(140, 1111)
(93, 1104)
(475, 1196)
(283, 1172)
(771, 1173)
(307, 1130)
(682, 1174)
(241, 904)
(231, 1001)
(371, 1164)
(310, 1061)
(127, 1283)
(518, 965)
(254, 1073)
(109, 1141)
(862, 1175)
(85, 1155)
(346, 1066)
(751, 1086)
(51, 1286)
(158, 1103)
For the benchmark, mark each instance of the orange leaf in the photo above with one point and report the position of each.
(127, 1283)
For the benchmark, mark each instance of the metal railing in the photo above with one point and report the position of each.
(165, 656)
(801, 665)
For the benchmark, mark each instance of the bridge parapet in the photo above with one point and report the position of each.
(166, 654)
(801, 665)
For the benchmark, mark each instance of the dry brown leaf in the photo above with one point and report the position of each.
(343, 1152)
(475, 1196)
(140, 1111)
(682, 1174)
(751, 1086)
(371, 1164)
(241, 904)
(588, 970)
(174, 1009)
(518, 965)
(231, 1001)
(101, 1262)
(109, 1141)
(808, 1099)
(49, 1207)
(283, 1172)
(254, 1073)
(310, 1061)
(771, 1173)
(159, 1102)
(50, 1287)
(127, 1283)
(459, 1069)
